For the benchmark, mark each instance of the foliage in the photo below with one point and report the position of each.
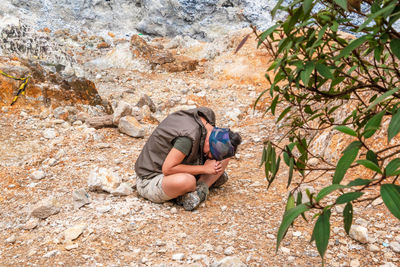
(318, 72)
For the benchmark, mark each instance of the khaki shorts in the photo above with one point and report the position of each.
(151, 189)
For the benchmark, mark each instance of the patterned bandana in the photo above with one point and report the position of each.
(220, 144)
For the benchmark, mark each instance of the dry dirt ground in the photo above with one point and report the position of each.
(238, 220)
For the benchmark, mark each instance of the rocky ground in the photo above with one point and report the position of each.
(48, 153)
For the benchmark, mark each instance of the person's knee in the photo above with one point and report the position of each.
(186, 182)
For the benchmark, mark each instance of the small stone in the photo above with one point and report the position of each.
(51, 253)
(395, 246)
(223, 208)
(80, 198)
(45, 209)
(49, 133)
(32, 223)
(174, 210)
(178, 256)
(38, 175)
(313, 161)
(123, 109)
(270, 236)
(377, 202)
(380, 225)
(291, 259)
(373, 248)
(229, 251)
(82, 116)
(285, 250)
(297, 233)
(71, 246)
(77, 123)
(359, 233)
(11, 239)
(231, 261)
(124, 189)
(354, 263)
(388, 264)
(103, 209)
(102, 179)
(74, 232)
(129, 125)
(362, 222)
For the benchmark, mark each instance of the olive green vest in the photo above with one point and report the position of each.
(181, 123)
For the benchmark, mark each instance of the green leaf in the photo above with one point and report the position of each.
(287, 220)
(277, 6)
(290, 203)
(359, 181)
(373, 124)
(394, 126)
(291, 165)
(327, 190)
(321, 232)
(284, 113)
(307, 5)
(265, 34)
(370, 165)
(382, 97)
(263, 157)
(348, 217)
(346, 130)
(371, 156)
(351, 46)
(324, 71)
(375, 15)
(345, 161)
(392, 168)
(347, 197)
(342, 3)
(306, 73)
(273, 104)
(391, 197)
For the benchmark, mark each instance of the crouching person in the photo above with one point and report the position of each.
(185, 155)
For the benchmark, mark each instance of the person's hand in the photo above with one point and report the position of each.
(212, 166)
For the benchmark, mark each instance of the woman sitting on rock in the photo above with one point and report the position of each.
(185, 155)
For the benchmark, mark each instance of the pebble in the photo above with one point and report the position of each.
(38, 175)
(74, 232)
(223, 208)
(102, 179)
(359, 233)
(51, 253)
(297, 233)
(388, 264)
(49, 133)
(103, 209)
(45, 209)
(229, 251)
(32, 223)
(285, 250)
(80, 198)
(373, 248)
(11, 239)
(395, 246)
(124, 189)
(178, 256)
(231, 261)
(71, 246)
(354, 263)
(174, 210)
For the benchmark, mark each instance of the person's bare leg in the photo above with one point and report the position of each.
(178, 184)
(209, 179)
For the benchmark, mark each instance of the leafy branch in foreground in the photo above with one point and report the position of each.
(320, 73)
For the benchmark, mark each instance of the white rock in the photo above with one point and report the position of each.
(32, 223)
(38, 175)
(71, 246)
(102, 179)
(233, 114)
(388, 264)
(11, 239)
(129, 125)
(359, 233)
(297, 233)
(313, 161)
(80, 198)
(377, 202)
(51, 253)
(395, 246)
(103, 209)
(230, 262)
(285, 250)
(174, 210)
(45, 208)
(74, 232)
(178, 256)
(123, 109)
(354, 263)
(229, 251)
(362, 222)
(124, 189)
(373, 248)
(49, 133)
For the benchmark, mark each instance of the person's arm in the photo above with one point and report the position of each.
(172, 165)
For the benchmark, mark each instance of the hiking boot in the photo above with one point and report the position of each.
(221, 180)
(202, 191)
(189, 201)
(192, 200)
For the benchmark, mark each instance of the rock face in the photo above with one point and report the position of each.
(203, 19)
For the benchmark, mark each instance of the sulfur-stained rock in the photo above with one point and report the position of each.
(102, 179)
